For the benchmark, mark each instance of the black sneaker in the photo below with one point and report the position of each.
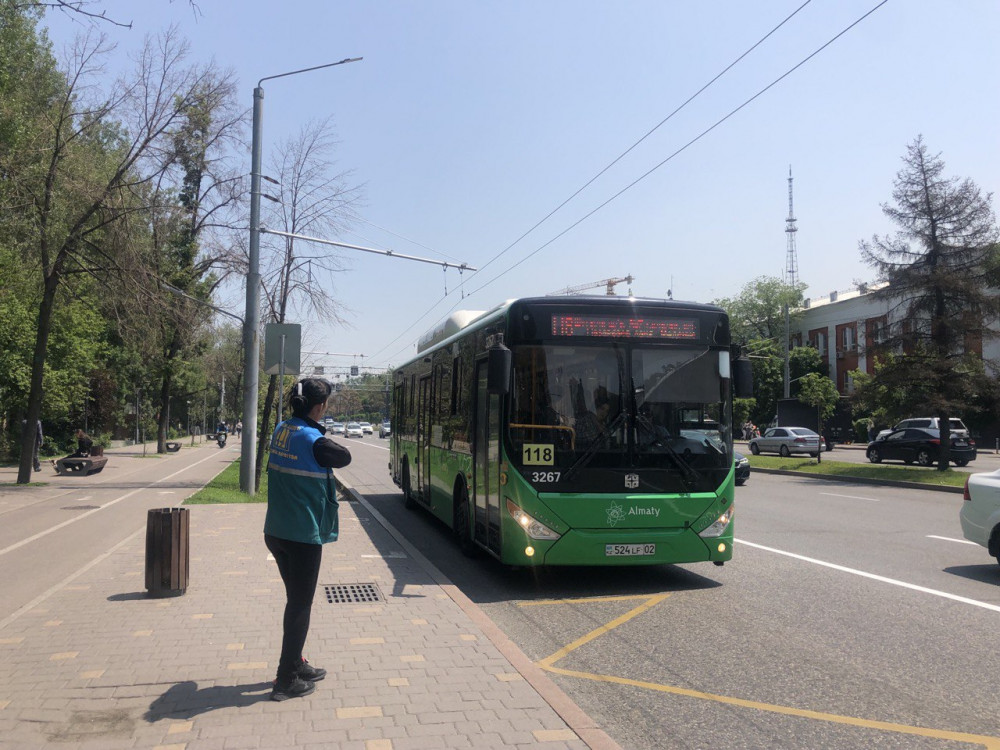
(295, 688)
(308, 672)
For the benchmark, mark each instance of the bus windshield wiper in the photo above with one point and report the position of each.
(595, 445)
(689, 475)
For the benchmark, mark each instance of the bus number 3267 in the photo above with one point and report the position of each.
(545, 476)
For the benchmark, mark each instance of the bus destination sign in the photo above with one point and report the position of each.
(617, 326)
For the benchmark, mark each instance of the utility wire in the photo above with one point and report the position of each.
(656, 127)
(599, 174)
(683, 148)
(650, 171)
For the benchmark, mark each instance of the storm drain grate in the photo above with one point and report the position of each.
(352, 593)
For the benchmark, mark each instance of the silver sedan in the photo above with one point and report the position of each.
(786, 441)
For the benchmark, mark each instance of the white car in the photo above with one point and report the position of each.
(338, 428)
(957, 426)
(366, 427)
(980, 514)
(353, 429)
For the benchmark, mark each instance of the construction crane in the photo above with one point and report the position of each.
(609, 283)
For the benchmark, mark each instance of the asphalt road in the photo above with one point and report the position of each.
(851, 616)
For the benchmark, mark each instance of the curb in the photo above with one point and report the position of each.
(861, 480)
(585, 728)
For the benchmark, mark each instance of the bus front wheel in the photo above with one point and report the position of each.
(408, 501)
(462, 524)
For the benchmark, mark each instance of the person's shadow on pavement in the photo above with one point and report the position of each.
(184, 700)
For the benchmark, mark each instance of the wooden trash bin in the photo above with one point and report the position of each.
(167, 551)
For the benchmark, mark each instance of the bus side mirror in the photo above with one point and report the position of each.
(742, 379)
(498, 371)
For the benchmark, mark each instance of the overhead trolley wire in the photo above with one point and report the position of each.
(652, 130)
(683, 148)
(646, 174)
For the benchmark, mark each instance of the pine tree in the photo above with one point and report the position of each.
(937, 267)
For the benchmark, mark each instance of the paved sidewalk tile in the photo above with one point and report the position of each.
(99, 664)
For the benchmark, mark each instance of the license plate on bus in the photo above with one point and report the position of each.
(629, 550)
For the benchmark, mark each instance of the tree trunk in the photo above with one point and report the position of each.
(264, 431)
(163, 423)
(37, 373)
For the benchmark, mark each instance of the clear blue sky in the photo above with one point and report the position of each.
(468, 122)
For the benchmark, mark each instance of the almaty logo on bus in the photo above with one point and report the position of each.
(616, 513)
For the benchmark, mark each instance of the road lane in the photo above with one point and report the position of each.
(771, 650)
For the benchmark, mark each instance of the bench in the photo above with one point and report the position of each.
(173, 447)
(86, 465)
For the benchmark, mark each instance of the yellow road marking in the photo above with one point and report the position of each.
(990, 743)
(651, 601)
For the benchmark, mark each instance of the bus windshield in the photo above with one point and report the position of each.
(623, 405)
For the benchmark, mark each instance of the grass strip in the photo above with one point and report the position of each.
(918, 474)
(225, 488)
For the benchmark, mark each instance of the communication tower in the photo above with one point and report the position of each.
(791, 261)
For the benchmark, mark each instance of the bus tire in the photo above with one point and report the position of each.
(408, 502)
(461, 523)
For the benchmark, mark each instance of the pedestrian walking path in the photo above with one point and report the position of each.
(412, 664)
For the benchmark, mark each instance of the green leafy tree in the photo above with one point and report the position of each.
(81, 179)
(938, 267)
(758, 311)
(821, 393)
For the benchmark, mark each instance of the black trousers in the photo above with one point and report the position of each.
(298, 564)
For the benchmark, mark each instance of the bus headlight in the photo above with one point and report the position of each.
(721, 523)
(534, 529)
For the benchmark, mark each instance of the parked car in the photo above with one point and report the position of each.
(742, 469)
(920, 445)
(385, 429)
(366, 427)
(786, 441)
(353, 429)
(957, 425)
(980, 514)
(338, 428)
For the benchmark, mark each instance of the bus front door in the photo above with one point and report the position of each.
(487, 466)
(424, 442)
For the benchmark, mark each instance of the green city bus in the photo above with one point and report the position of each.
(574, 430)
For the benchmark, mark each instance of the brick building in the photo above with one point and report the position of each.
(842, 325)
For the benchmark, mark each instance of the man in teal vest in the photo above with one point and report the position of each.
(301, 518)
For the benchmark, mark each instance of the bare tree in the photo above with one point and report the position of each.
(89, 10)
(316, 199)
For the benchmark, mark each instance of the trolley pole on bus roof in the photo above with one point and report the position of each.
(251, 322)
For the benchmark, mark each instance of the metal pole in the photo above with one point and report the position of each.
(281, 382)
(787, 381)
(251, 321)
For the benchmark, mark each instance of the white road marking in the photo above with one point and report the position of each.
(852, 497)
(127, 495)
(872, 576)
(949, 539)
